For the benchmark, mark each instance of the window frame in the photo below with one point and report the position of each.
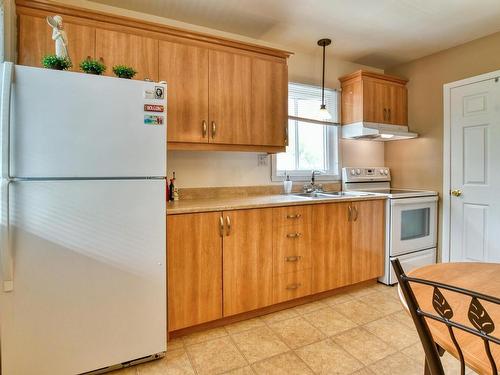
(332, 137)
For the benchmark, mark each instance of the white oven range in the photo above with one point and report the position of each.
(410, 215)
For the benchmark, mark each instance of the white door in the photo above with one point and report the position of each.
(475, 176)
(73, 125)
(88, 261)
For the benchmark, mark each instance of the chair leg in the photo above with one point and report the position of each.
(427, 371)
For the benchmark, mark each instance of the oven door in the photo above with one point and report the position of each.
(413, 224)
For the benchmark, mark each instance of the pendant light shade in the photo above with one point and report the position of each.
(323, 111)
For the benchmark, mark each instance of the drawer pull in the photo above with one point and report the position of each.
(296, 216)
(293, 258)
(293, 286)
(294, 235)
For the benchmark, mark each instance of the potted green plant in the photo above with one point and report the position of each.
(123, 71)
(56, 62)
(91, 66)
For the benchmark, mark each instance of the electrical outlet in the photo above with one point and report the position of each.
(262, 159)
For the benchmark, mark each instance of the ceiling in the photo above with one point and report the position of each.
(378, 33)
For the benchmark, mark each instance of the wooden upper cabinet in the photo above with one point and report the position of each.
(375, 101)
(185, 69)
(247, 260)
(269, 102)
(118, 48)
(373, 97)
(194, 249)
(230, 78)
(331, 246)
(35, 41)
(368, 232)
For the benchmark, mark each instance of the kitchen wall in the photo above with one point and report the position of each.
(199, 169)
(418, 163)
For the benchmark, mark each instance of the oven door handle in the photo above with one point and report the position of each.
(414, 201)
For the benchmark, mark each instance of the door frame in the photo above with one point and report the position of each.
(447, 87)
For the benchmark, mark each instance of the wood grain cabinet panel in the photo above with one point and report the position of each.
(230, 78)
(292, 248)
(269, 102)
(375, 95)
(118, 48)
(35, 41)
(292, 285)
(185, 69)
(247, 260)
(368, 240)
(331, 246)
(194, 252)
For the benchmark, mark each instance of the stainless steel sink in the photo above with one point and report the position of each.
(331, 194)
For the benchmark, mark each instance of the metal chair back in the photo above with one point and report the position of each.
(482, 324)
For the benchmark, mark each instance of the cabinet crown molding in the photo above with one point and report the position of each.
(360, 74)
(90, 16)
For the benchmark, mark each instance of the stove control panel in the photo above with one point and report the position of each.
(355, 174)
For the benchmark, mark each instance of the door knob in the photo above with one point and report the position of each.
(456, 193)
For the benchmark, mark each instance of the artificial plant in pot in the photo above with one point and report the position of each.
(56, 62)
(123, 71)
(91, 66)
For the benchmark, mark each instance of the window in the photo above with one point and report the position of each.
(310, 146)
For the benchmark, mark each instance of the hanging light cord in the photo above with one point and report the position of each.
(323, 78)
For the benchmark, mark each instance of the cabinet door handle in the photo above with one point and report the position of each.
(204, 128)
(355, 213)
(214, 129)
(293, 286)
(385, 114)
(389, 114)
(286, 134)
(221, 226)
(293, 258)
(228, 229)
(296, 216)
(294, 235)
(349, 213)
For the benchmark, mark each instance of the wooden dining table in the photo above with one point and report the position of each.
(478, 277)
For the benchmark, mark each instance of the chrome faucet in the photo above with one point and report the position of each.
(312, 186)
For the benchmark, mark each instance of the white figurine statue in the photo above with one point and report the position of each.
(59, 35)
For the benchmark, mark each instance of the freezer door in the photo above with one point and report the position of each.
(66, 124)
(89, 276)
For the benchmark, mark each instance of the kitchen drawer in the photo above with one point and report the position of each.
(292, 248)
(292, 285)
(291, 216)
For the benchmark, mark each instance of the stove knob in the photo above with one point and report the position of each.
(358, 171)
(353, 172)
(386, 172)
(381, 171)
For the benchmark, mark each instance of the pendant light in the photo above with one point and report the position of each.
(323, 112)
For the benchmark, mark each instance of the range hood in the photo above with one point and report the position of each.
(376, 132)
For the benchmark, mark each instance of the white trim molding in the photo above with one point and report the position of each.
(445, 230)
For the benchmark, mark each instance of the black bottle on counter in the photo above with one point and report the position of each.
(171, 189)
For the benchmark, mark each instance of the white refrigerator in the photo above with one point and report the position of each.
(83, 224)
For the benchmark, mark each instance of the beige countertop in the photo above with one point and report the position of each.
(258, 201)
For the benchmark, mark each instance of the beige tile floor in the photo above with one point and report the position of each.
(362, 332)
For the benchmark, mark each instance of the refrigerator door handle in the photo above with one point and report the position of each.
(5, 248)
(6, 95)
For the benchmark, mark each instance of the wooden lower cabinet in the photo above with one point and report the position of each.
(368, 230)
(247, 260)
(331, 246)
(226, 263)
(194, 253)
